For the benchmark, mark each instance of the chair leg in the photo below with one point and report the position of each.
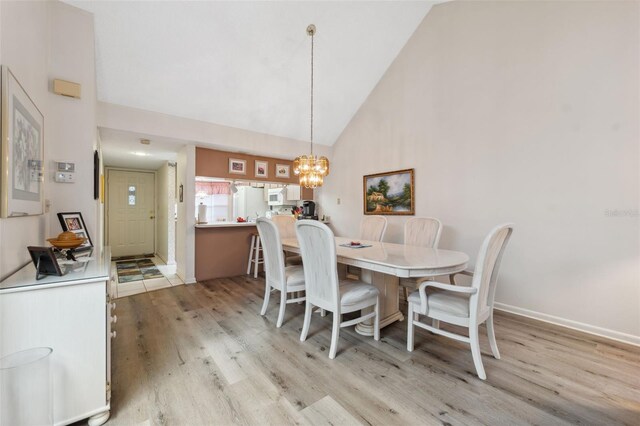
(256, 258)
(376, 321)
(406, 294)
(435, 323)
(492, 337)
(307, 321)
(267, 293)
(283, 305)
(253, 242)
(475, 351)
(335, 334)
(410, 319)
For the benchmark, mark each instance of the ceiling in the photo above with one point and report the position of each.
(247, 64)
(123, 149)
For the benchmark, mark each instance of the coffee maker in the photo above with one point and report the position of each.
(308, 210)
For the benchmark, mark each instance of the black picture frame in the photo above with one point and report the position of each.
(73, 222)
(44, 259)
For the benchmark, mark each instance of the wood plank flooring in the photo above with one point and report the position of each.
(202, 354)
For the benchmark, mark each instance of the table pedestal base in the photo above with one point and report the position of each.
(389, 301)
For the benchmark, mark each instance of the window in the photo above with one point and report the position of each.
(132, 195)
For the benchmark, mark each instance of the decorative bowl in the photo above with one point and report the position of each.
(66, 240)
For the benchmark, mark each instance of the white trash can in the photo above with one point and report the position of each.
(26, 388)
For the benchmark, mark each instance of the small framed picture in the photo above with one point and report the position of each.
(282, 171)
(45, 261)
(73, 221)
(261, 168)
(238, 167)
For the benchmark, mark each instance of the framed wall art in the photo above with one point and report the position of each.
(262, 168)
(238, 167)
(73, 221)
(282, 171)
(390, 193)
(22, 151)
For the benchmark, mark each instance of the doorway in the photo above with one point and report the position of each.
(130, 212)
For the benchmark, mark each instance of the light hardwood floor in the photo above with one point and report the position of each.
(201, 354)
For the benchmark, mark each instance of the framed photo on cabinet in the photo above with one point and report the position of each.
(73, 222)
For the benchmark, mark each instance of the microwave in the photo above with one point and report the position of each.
(277, 197)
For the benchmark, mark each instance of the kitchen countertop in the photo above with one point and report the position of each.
(224, 224)
(232, 224)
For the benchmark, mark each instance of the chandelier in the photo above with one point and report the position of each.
(311, 169)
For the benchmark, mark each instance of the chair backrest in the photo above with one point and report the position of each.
(485, 276)
(318, 250)
(286, 225)
(272, 252)
(422, 232)
(372, 228)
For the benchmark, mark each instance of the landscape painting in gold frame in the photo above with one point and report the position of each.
(390, 193)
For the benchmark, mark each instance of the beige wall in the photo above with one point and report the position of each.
(524, 112)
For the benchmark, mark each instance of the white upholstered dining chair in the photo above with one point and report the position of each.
(289, 279)
(372, 228)
(464, 306)
(323, 289)
(287, 227)
(422, 232)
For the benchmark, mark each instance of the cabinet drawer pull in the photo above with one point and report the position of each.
(114, 319)
(113, 334)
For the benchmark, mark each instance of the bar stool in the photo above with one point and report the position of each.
(255, 255)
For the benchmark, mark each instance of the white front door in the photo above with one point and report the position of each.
(131, 212)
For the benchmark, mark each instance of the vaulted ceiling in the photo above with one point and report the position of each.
(247, 64)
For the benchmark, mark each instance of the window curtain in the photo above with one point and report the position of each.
(213, 188)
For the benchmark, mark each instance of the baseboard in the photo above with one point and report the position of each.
(574, 325)
(191, 280)
(165, 260)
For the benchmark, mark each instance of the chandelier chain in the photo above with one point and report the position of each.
(312, 35)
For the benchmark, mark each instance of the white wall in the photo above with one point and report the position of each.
(71, 123)
(23, 31)
(162, 210)
(41, 41)
(185, 227)
(525, 112)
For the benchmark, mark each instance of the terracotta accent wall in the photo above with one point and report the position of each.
(222, 252)
(214, 163)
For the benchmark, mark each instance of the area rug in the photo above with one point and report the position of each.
(136, 270)
(136, 257)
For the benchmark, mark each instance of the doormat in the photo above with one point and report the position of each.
(137, 256)
(137, 270)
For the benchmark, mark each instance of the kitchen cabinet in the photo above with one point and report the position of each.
(72, 314)
(293, 193)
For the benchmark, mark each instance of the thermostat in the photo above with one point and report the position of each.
(65, 167)
(63, 177)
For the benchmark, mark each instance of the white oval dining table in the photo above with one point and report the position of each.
(383, 264)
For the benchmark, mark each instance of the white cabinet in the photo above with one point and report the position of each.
(293, 192)
(72, 315)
